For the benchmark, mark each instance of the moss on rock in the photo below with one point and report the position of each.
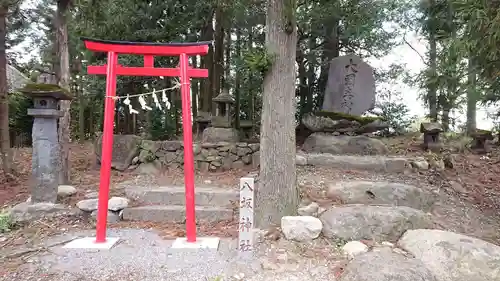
(36, 87)
(56, 91)
(363, 120)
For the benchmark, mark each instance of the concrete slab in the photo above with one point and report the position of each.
(201, 243)
(89, 243)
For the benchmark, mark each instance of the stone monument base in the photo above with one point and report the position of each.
(215, 134)
(342, 144)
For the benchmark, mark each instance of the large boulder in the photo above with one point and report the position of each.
(301, 228)
(379, 223)
(453, 257)
(125, 148)
(385, 265)
(360, 145)
(26, 211)
(367, 192)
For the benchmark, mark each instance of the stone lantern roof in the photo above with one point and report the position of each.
(224, 97)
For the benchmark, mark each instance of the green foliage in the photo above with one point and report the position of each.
(397, 116)
(259, 60)
(395, 112)
(19, 121)
(6, 222)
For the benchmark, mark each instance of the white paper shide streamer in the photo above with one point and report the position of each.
(142, 100)
(156, 101)
(164, 99)
(130, 109)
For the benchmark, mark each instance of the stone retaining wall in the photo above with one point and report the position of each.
(219, 156)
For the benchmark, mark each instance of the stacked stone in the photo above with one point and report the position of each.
(220, 156)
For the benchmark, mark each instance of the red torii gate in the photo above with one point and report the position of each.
(113, 69)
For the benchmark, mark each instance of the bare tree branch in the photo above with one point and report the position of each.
(413, 48)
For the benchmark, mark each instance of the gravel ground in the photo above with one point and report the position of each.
(143, 255)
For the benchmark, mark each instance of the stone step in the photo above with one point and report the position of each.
(355, 162)
(175, 195)
(176, 213)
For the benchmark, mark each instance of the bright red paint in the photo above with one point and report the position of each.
(111, 70)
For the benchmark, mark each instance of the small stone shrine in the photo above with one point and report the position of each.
(431, 132)
(221, 130)
(223, 104)
(45, 159)
(480, 140)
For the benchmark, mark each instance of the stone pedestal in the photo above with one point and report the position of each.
(215, 135)
(46, 150)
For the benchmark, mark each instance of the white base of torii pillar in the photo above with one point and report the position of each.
(200, 243)
(89, 243)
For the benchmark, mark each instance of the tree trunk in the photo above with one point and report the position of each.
(432, 87)
(227, 64)
(195, 83)
(219, 51)
(237, 80)
(91, 123)
(277, 195)
(303, 90)
(331, 51)
(64, 106)
(251, 111)
(81, 114)
(471, 97)
(311, 77)
(5, 151)
(206, 95)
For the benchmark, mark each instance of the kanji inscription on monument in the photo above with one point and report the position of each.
(246, 220)
(351, 86)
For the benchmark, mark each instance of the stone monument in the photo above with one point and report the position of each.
(339, 127)
(221, 130)
(351, 86)
(45, 159)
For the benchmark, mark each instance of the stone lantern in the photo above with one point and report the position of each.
(46, 150)
(223, 103)
(221, 130)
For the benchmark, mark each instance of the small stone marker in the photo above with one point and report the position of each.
(246, 220)
(351, 86)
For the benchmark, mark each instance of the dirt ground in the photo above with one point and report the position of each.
(470, 194)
